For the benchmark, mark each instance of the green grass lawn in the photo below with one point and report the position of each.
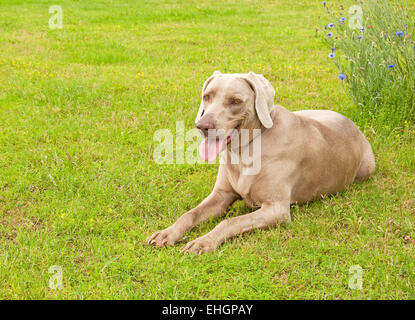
(79, 187)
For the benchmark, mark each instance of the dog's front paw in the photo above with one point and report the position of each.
(200, 245)
(168, 236)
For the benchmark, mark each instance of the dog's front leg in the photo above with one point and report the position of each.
(213, 206)
(270, 214)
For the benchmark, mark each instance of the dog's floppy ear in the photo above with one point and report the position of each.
(264, 97)
(200, 112)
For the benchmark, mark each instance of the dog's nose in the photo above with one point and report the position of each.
(204, 125)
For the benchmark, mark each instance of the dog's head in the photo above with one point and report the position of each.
(231, 102)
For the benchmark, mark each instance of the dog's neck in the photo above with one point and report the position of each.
(255, 129)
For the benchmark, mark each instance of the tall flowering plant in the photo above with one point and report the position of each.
(375, 57)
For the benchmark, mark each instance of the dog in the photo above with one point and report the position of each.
(304, 155)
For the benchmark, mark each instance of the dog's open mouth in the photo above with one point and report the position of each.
(209, 149)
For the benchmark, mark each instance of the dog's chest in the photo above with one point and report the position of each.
(242, 184)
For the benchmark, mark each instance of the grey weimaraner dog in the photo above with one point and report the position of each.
(304, 155)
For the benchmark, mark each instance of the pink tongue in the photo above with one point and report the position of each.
(210, 149)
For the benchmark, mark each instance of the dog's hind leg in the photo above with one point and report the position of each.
(367, 166)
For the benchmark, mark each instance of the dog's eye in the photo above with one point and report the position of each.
(206, 97)
(235, 101)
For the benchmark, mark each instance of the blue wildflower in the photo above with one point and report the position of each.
(324, 3)
(391, 66)
(329, 34)
(343, 19)
(342, 76)
(332, 55)
(399, 33)
(359, 37)
(363, 29)
(330, 25)
(332, 49)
